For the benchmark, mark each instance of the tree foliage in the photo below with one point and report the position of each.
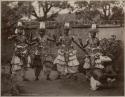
(47, 6)
(111, 47)
(81, 4)
(118, 13)
(11, 15)
(90, 10)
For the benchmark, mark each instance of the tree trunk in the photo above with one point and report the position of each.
(45, 16)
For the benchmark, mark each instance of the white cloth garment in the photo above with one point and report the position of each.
(94, 84)
(16, 67)
(105, 59)
(67, 67)
(60, 59)
(87, 63)
(99, 64)
(29, 61)
(16, 60)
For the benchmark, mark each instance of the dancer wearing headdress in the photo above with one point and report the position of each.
(66, 60)
(41, 52)
(20, 60)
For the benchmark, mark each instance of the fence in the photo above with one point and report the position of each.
(74, 24)
(113, 22)
(36, 24)
(102, 23)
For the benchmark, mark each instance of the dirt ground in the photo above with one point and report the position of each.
(70, 87)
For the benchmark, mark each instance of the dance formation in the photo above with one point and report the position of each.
(66, 62)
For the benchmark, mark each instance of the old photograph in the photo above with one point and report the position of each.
(62, 48)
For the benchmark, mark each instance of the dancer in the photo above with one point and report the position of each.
(92, 64)
(66, 60)
(20, 59)
(92, 47)
(41, 51)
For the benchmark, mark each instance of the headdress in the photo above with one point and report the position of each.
(19, 25)
(42, 25)
(93, 29)
(67, 25)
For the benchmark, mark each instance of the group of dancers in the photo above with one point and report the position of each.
(66, 62)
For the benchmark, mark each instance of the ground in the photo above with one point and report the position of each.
(70, 87)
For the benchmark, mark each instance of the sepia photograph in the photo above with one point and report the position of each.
(62, 48)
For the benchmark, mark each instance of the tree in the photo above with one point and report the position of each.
(106, 9)
(118, 14)
(10, 15)
(88, 12)
(81, 4)
(92, 8)
(105, 6)
(46, 7)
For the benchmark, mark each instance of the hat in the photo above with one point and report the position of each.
(67, 25)
(93, 29)
(42, 25)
